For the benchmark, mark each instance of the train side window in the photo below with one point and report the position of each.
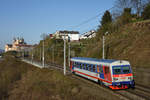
(74, 64)
(80, 65)
(90, 68)
(86, 66)
(94, 69)
(101, 69)
(98, 69)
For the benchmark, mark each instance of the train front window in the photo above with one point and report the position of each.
(116, 70)
(121, 70)
(126, 69)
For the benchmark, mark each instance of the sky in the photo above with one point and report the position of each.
(31, 18)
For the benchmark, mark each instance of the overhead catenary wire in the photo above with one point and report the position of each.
(90, 19)
(93, 28)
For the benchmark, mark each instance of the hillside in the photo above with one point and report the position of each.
(131, 42)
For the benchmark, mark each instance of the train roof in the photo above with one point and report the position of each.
(94, 59)
(98, 61)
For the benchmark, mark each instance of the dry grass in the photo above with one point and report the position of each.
(11, 70)
(47, 84)
(131, 42)
(21, 81)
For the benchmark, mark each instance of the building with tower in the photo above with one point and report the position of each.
(18, 45)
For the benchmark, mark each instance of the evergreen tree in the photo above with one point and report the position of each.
(106, 19)
(146, 12)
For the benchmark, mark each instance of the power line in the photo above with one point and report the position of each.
(93, 28)
(90, 19)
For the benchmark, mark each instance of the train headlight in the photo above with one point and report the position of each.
(115, 79)
(130, 78)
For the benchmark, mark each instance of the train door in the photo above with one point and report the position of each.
(100, 71)
(71, 65)
(107, 73)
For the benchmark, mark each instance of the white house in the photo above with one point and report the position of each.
(73, 35)
(88, 35)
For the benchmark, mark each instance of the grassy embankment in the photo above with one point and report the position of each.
(21, 81)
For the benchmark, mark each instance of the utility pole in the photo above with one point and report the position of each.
(64, 53)
(104, 44)
(22, 54)
(53, 54)
(68, 51)
(103, 47)
(43, 53)
(40, 53)
(32, 57)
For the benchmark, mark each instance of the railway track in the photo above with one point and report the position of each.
(140, 92)
(107, 90)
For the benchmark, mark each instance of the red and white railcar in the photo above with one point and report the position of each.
(115, 74)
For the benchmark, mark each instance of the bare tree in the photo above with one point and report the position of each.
(44, 36)
(123, 3)
(120, 5)
(136, 5)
